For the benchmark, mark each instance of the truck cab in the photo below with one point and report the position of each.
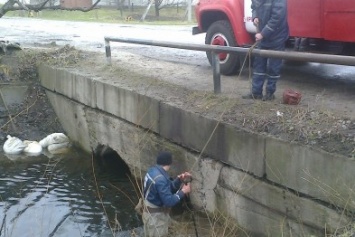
(322, 26)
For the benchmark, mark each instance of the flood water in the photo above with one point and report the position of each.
(61, 196)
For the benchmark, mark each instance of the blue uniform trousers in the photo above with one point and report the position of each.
(266, 69)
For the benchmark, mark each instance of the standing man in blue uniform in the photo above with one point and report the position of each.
(160, 194)
(270, 18)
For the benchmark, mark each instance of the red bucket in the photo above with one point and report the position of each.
(291, 97)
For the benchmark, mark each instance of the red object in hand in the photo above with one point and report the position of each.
(291, 97)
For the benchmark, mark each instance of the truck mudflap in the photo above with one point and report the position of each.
(196, 30)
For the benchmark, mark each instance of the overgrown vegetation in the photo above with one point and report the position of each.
(34, 118)
(28, 60)
(319, 128)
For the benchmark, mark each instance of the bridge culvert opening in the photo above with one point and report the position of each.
(109, 162)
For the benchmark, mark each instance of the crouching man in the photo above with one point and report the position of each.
(160, 194)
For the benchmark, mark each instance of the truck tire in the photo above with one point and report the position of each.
(221, 33)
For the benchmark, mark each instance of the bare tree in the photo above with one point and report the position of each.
(120, 4)
(157, 7)
(14, 5)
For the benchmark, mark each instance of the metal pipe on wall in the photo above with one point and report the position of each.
(294, 56)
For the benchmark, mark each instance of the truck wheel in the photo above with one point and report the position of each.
(221, 33)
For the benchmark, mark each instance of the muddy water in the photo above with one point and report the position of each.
(57, 196)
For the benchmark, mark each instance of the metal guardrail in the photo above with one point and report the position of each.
(195, 47)
(214, 49)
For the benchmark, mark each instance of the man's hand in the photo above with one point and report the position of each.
(186, 188)
(256, 22)
(258, 37)
(183, 176)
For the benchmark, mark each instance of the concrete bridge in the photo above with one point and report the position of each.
(265, 185)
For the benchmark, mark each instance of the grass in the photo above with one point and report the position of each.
(168, 15)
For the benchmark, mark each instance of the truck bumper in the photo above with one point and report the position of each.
(196, 30)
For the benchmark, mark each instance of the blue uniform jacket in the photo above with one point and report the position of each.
(273, 24)
(163, 191)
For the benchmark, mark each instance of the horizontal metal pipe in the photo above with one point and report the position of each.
(294, 56)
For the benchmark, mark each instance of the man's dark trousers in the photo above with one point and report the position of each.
(266, 69)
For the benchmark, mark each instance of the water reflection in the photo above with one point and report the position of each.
(41, 196)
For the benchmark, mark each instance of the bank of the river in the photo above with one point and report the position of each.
(32, 118)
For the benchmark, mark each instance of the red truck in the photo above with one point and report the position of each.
(323, 26)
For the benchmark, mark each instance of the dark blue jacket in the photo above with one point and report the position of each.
(162, 191)
(273, 24)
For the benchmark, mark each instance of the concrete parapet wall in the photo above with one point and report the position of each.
(271, 187)
(128, 105)
(123, 103)
(280, 200)
(218, 140)
(326, 176)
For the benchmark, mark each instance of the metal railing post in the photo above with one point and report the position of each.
(108, 51)
(216, 73)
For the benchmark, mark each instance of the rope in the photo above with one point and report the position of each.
(187, 199)
(248, 56)
(189, 207)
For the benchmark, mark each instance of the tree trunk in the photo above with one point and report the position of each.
(157, 4)
(5, 8)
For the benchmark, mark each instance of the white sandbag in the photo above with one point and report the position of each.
(33, 148)
(59, 148)
(13, 145)
(47, 153)
(54, 138)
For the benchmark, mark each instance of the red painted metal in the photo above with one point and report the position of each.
(332, 20)
(325, 19)
(221, 42)
(339, 19)
(305, 18)
(329, 25)
(233, 10)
